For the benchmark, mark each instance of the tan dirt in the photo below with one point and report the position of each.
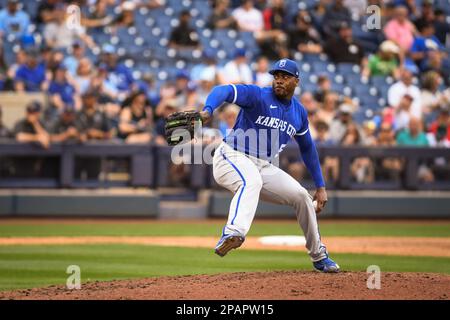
(402, 246)
(281, 285)
(118, 220)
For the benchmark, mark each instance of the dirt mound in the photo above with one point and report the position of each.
(264, 285)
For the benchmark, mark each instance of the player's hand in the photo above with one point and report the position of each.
(321, 197)
(206, 117)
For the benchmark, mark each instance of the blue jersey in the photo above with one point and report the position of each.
(32, 78)
(266, 124)
(275, 121)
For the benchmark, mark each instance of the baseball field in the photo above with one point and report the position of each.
(157, 259)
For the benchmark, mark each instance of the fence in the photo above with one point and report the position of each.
(148, 166)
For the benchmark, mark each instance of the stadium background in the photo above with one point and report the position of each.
(131, 65)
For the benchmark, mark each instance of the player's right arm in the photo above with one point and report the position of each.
(245, 96)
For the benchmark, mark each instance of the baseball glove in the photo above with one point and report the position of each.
(184, 123)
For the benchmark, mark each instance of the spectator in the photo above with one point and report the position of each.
(323, 134)
(335, 16)
(167, 106)
(220, 17)
(308, 101)
(59, 34)
(403, 112)
(31, 77)
(237, 70)
(103, 84)
(64, 129)
(303, 37)
(327, 112)
(357, 7)
(90, 121)
(324, 87)
(148, 85)
(361, 168)
(54, 58)
(208, 78)
(400, 29)
(387, 167)
(4, 131)
(136, 120)
(73, 59)
(249, 18)
(126, 17)
(21, 59)
(262, 76)
(441, 26)
(99, 16)
(339, 126)
(426, 14)
(13, 21)
(344, 48)
(92, 124)
(405, 86)
(83, 76)
(369, 130)
(185, 90)
(432, 97)
(385, 62)
(31, 129)
(208, 65)
(49, 11)
(271, 41)
(413, 135)
(167, 93)
(62, 91)
(426, 45)
(275, 16)
(184, 36)
(118, 75)
(440, 129)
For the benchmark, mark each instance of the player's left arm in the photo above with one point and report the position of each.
(312, 162)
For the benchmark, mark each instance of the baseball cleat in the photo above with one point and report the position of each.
(326, 265)
(227, 243)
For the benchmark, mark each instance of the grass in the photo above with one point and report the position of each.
(37, 266)
(214, 228)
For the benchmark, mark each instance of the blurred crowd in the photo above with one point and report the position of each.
(93, 94)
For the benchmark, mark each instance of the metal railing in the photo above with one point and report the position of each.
(149, 166)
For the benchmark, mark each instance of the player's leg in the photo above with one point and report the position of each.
(279, 187)
(237, 173)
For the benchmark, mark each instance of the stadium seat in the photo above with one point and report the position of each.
(347, 68)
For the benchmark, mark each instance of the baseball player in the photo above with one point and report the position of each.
(246, 169)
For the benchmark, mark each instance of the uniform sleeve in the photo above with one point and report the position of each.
(245, 96)
(309, 151)
(305, 124)
(310, 157)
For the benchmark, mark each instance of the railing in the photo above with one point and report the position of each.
(148, 166)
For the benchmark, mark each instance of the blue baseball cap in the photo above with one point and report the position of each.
(286, 65)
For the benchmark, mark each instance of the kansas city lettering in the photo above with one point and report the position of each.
(276, 123)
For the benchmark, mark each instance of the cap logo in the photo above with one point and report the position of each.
(282, 63)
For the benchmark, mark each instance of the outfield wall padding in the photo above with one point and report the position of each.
(86, 203)
(364, 204)
(6, 203)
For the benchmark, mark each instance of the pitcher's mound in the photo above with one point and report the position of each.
(258, 285)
